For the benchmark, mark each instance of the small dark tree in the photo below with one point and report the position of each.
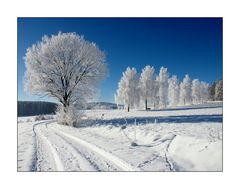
(211, 91)
(219, 90)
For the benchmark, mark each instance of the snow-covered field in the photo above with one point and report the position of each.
(176, 139)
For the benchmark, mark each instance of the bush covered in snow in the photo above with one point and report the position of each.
(43, 117)
(29, 120)
(67, 115)
(39, 118)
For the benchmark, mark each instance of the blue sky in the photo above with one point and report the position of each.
(183, 45)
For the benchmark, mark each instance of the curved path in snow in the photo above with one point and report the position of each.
(60, 151)
(56, 158)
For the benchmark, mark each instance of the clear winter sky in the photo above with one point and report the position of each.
(183, 45)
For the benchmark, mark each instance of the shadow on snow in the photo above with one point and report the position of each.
(186, 108)
(159, 119)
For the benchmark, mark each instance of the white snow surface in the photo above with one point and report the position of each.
(176, 139)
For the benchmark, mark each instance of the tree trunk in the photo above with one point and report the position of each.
(146, 104)
(65, 109)
(65, 106)
(65, 101)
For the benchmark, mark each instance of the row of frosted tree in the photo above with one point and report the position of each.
(161, 91)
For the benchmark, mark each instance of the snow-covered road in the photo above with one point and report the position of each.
(162, 144)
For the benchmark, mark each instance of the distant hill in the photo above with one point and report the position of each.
(31, 108)
(101, 105)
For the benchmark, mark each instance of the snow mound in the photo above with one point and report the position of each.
(192, 154)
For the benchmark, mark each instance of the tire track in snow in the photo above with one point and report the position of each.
(99, 164)
(57, 160)
(107, 155)
(86, 160)
(34, 155)
(83, 161)
(170, 164)
(58, 163)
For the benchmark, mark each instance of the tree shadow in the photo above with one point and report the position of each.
(118, 122)
(185, 108)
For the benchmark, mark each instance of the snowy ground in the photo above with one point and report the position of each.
(177, 139)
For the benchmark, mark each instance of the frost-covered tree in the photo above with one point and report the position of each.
(204, 88)
(196, 91)
(127, 92)
(137, 95)
(156, 93)
(147, 84)
(119, 96)
(185, 91)
(173, 91)
(66, 67)
(219, 90)
(163, 87)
